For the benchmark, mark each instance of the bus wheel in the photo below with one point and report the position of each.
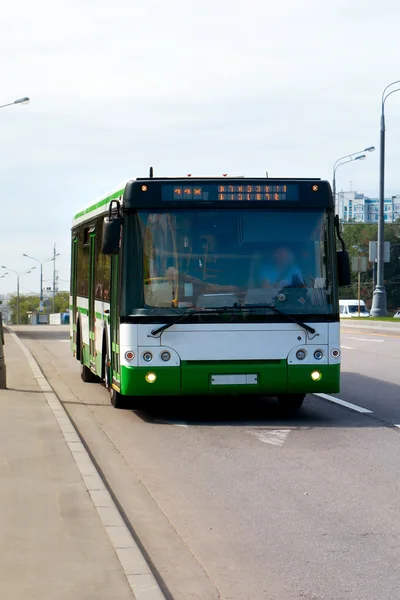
(87, 375)
(291, 401)
(117, 400)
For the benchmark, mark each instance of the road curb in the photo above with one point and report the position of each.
(384, 326)
(139, 575)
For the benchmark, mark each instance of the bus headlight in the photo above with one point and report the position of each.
(316, 375)
(300, 354)
(318, 354)
(151, 377)
(147, 356)
(165, 356)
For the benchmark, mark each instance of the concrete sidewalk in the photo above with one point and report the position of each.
(53, 544)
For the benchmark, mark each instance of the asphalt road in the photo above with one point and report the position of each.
(243, 502)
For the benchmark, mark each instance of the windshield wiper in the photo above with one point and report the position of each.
(279, 312)
(186, 315)
(228, 309)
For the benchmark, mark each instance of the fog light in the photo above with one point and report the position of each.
(335, 353)
(316, 375)
(147, 356)
(300, 354)
(129, 355)
(165, 356)
(151, 377)
(318, 354)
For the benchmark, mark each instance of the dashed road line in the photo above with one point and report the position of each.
(355, 407)
(138, 573)
(347, 347)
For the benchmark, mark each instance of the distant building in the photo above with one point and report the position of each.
(357, 208)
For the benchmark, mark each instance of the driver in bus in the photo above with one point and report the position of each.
(282, 271)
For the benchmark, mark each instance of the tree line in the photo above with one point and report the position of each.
(31, 303)
(357, 237)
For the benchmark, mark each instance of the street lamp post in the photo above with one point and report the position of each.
(42, 262)
(19, 101)
(341, 161)
(18, 276)
(379, 307)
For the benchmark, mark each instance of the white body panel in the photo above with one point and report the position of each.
(215, 341)
(229, 341)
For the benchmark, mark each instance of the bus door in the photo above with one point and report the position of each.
(72, 308)
(91, 311)
(114, 320)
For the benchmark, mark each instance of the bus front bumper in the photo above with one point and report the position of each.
(197, 378)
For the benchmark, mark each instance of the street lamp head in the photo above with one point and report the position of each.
(361, 157)
(3, 267)
(369, 149)
(24, 100)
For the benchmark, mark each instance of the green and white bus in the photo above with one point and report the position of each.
(209, 286)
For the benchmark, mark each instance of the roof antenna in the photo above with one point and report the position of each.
(151, 173)
(266, 174)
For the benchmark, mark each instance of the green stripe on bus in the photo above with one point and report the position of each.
(115, 347)
(83, 311)
(98, 204)
(101, 316)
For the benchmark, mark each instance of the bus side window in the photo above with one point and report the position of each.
(342, 309)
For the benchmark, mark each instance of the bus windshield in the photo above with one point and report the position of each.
(209, 258)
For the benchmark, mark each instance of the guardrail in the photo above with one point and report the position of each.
(3, 374)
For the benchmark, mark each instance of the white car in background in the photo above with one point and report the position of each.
(397, 315)
(349, 309)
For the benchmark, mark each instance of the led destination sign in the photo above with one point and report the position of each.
(230, 193)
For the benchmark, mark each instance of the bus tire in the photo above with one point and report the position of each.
(291, 401)
(78, 351)
(87, 375)
(116, 399)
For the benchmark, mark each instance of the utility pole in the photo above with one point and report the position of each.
(359, 283)
(54, 279)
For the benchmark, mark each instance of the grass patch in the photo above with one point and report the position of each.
(367, 319)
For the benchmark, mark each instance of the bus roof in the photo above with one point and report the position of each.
(101, 204)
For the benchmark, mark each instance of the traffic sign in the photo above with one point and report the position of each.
(373, 252)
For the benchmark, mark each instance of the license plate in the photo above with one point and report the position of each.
(234, 379)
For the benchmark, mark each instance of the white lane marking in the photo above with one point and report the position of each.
(275, 437)
(347, 347)
(138, 574)
(64, 341)
(355, 407)
(364, 339)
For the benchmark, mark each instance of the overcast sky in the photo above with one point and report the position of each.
(188, 86)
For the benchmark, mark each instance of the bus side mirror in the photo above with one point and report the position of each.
(343, 267)
(111, 235)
